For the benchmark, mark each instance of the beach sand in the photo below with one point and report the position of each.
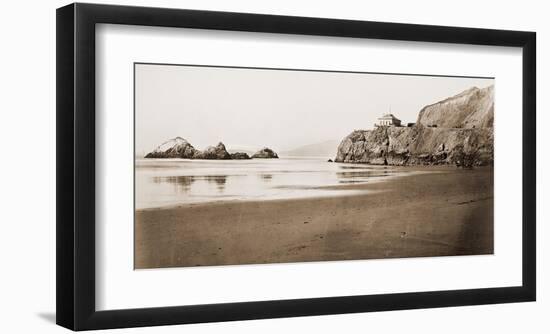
(449, 212)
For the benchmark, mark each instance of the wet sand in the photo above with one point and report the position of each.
(437, 214)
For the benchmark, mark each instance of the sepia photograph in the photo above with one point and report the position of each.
(243, 165)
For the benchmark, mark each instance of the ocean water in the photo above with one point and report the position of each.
(168, 182)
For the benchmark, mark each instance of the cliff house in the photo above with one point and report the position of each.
(388, 120)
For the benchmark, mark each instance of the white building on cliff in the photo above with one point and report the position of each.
(388, 120)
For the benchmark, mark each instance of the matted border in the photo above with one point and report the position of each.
(76, 166)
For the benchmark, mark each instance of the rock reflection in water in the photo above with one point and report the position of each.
(361, 175)
(180, 183)
(379, 167)
(219, 180)
(183, 183)
(266, 177)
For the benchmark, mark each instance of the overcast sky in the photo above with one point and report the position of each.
(274, 108)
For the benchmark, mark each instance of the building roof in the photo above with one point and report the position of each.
(389, 116)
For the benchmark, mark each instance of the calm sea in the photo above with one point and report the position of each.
(167, 182)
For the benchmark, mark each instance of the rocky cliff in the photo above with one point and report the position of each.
(472, 108)
(457, 130)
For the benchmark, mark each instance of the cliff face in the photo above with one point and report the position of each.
(463, 136)
(472, 108)
(418, 145)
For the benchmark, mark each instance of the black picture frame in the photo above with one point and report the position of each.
(76, 160)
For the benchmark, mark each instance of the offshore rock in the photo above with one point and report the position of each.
(239, 156)
(174, 148)
(181, 148)
(218, 152)
(265, 153)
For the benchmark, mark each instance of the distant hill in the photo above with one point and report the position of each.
(327, 148)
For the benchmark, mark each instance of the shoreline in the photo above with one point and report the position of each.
(352, 186)
(426, 214)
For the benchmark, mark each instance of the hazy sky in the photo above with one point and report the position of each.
(274, 108)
